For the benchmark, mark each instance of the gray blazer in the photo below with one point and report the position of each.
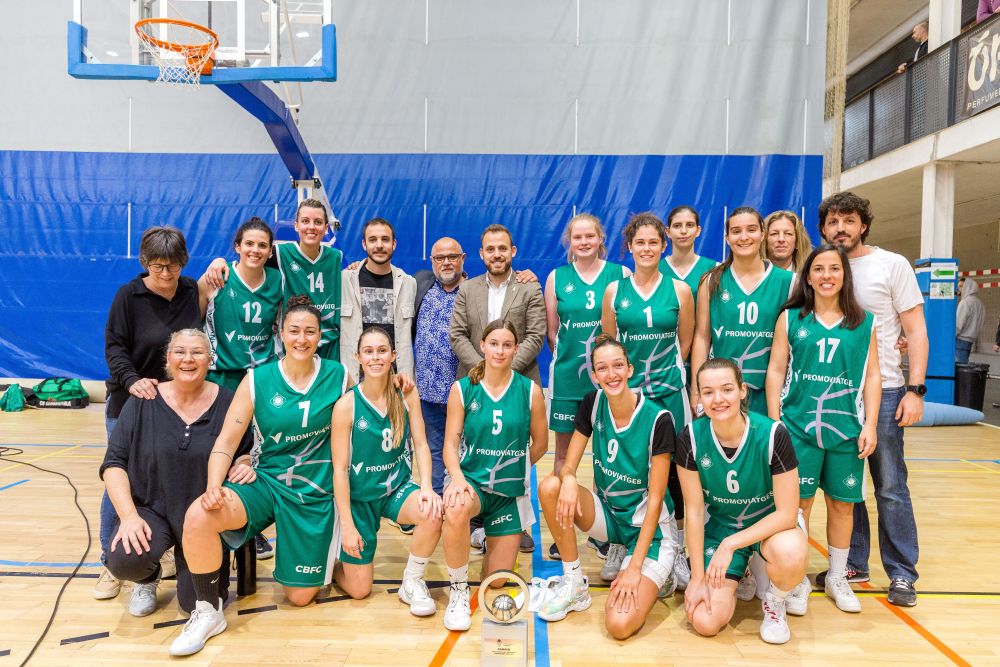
(404, 287)
(523, 306)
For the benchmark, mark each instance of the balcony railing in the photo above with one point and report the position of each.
(929, 96)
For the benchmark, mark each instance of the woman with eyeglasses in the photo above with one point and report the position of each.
(144, 313)
(156, 465)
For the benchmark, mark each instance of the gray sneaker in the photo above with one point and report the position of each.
(902, 593)
(613, 563)
(143, 600)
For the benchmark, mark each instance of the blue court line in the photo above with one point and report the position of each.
(35, 563)
(543, 569)
(12, 485)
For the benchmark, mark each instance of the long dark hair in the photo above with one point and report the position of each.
(724, 363)
(804, 297)
(642, 220)
(714, 276)
(253, 224)
(479, 370)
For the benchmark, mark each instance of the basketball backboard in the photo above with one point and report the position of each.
(259, 40)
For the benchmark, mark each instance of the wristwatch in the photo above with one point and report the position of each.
(918, 389)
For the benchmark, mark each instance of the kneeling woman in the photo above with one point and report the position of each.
(739, 467)
(290, 403)
(372, 425)
(633, 440)
(493, 415)
(155, 467)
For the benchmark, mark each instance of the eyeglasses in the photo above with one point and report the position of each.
(181, 352)
(441, 259)
(160, 268)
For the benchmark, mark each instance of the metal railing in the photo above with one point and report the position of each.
(924, 99)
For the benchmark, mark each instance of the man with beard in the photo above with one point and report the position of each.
(885, 286)
(377, 293)
(497, 295)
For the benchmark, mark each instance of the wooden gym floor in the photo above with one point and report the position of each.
(954, 480)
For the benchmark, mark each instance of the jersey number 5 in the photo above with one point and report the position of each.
(497, 422)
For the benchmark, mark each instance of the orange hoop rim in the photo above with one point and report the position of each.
(188, 50)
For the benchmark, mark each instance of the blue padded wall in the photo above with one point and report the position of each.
(68, 242)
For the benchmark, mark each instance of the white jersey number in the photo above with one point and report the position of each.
(497, 422)
(590, 299)
(612, 450)
(387, 440)
(251, 312)
(304, 407)
(822, 344)
(732, 483)
(748, 312)
(315, 282)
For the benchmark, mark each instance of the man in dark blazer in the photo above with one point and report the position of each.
(497, 295)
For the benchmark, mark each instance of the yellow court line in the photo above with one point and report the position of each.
(39, 458)
(989, 470)
(964, 471)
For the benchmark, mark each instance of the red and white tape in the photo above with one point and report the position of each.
(983, 272)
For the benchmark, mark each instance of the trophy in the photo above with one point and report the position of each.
(504, 636)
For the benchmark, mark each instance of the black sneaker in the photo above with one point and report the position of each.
(404, 528)
(902, 593)
(853, 577)
(527, 544)
(554, 552)
(263, 547)
(600, 547)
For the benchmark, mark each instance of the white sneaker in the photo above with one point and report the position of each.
(774, 628)
(477, 540)
(572, 594)
(143, 600)
(747, 587)
(613, 563)
(838, 589)
(108, 586)
(168, 567)
(797, 601)
(206, 621)
(668, 588)
(413, 591)
(458, 615)
(682, 571)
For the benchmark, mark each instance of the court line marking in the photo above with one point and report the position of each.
(49, 444)
(13, 484)
(4, 652)
(441, 657)
(543, 569)
(990, 425)
(906, 618)
(37, 458)
(971, 463)
(84, 638)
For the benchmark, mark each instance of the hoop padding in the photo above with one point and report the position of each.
(194, 44)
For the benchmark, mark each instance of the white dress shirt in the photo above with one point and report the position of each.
(494, 305)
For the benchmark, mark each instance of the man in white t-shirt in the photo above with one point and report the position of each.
(885, 286)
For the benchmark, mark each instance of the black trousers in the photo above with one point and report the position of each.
(144, 568)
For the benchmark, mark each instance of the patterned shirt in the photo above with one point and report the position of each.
(436, 363)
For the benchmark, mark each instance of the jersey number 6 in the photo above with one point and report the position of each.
(732, 483)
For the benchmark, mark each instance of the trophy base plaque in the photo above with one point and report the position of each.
(505, 644)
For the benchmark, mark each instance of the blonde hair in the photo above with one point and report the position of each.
(197, 333)
(479, 370)
(567, 234)
(803, 246)
(395, 409)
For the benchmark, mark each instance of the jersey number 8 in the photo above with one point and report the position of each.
(386, 439)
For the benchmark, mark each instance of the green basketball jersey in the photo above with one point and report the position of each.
(701, 266)
(739, 492)
(743, 322)
(292, 428)
(822, 400)
(622, 458)
(240, 321)
(579, 305)
(319, 279)
(377, 468)
(497, 436)
(648, 329)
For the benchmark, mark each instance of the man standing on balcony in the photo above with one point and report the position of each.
(920, 37)
(885, 286)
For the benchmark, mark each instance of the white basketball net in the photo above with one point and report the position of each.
(182, 63)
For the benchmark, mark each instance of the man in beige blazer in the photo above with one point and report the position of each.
(377, 293)
(497, 295)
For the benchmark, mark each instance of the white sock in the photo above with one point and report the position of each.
(777, 592)
(415, 567)
(459, 576)
(572, 569)
(838, 562)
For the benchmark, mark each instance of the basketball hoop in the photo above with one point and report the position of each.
(185, 52)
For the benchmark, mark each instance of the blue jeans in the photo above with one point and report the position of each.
(435, 415)
(962, 350)
(897, 529)
(108, 515)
